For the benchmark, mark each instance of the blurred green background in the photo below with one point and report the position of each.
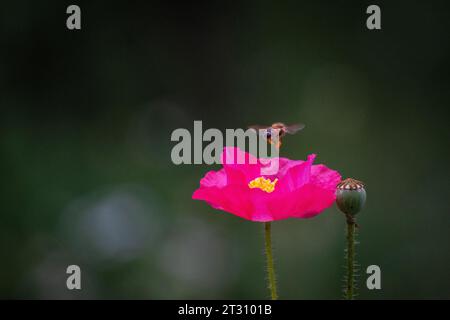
(86, 119)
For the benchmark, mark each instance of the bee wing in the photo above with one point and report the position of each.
(294, 128)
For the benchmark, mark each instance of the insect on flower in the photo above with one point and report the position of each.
(268, 131)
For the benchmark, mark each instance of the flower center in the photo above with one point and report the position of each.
(263, 184)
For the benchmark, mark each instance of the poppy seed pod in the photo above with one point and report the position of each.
(350, 196)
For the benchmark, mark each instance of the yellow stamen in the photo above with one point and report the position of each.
(263, 184)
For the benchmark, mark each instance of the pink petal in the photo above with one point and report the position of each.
(302, 191)
(295, 174)
(325, 177)
(233, 199)
(214, 179)
(304, 202)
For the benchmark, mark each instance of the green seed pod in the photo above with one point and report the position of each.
(350, 196)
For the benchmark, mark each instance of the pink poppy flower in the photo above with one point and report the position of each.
(298, 189)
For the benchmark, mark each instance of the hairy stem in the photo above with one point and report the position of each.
(350, 287)
(272, 282)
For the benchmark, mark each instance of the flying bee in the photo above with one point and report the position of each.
(267, 131)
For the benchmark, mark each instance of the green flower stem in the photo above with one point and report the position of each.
(269, 259)
(350, 288)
